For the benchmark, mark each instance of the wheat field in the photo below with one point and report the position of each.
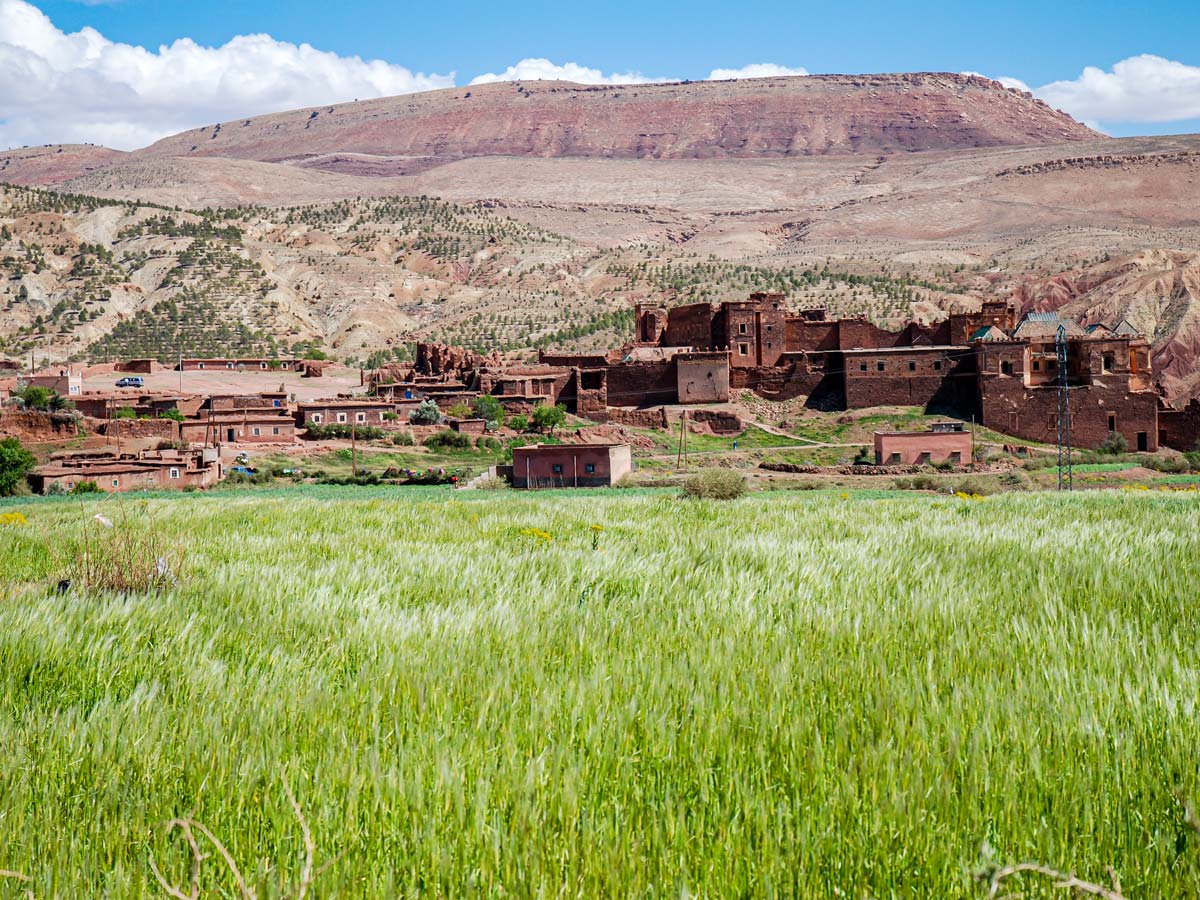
(609, 694)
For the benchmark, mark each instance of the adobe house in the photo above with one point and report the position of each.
(113, 473)
(944, 442)
(238, 428)
(63, 382)
(373, 412)
(262, 364)
(570, 465)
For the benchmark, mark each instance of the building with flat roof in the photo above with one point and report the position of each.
(570, 465)
(944, 442)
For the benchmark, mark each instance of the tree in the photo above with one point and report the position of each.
(547, 417)
(425, 414)
(15, 463)
(173, 414)
(488, 407)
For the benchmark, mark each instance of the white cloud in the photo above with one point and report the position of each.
(754, 70)
(539, 69)
(81, 87)
(1142, 88)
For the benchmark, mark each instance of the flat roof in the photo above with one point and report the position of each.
(917, 348)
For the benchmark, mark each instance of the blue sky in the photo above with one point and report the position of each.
(1038, 43)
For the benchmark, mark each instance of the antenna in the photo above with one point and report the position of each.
(1064, 413)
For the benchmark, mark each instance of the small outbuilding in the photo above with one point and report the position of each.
(945, 442)
(570, 465)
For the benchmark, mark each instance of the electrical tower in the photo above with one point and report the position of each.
(1065, 475)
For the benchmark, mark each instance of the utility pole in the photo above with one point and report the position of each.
(1066, 480)
(353, 449)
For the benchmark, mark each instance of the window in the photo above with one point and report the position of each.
(557, 468)
(1005, 368)
(912, 366)
(862, 367)
(174, 473)
(937, 365)
(1143, 442)
(590, 468)
(742, 328)
(770, 328)
(1107, 362)
(229, 365)
(256, 431)
(744, 349)
(956, 456)
(275, 430)
(879, 366)
(116, 482)
(1037, 365)
(316, 418)
(262, 365)
(926, 458)
(341, 417)
(200, 366)
(894, 459)
(360, 417)
(1112, 421)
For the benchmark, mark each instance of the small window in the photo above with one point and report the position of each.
(770, 328)
(862, 367)
(744, 349)
(912, 366)
(1005, 368)
(200, 366)
(742, 328)
(174, 473)
(926, 458)
(1037, 365)
(275, 430)
(955, 456)
(360, 417)
(116, 482)
(895, 459)
(341, 417)
(590, 468)
(262, 365)
(316, 418)
(937, 365)
(1112, 421)
(557, 468)
(229, 365)
(879, 366)
(257, 432)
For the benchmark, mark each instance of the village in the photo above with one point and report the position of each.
(695, 376)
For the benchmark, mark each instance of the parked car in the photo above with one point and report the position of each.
(131, 381)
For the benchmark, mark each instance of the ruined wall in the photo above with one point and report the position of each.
(803, 334)
(639, 418)
(643, 384)
(164, 429)
(1032, 413)
(717, 421)
(1179, 429)
(29, 425)
(690, 326)
(798, 378)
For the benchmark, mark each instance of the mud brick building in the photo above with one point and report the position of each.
(263, 364)
(982, 364)
(570, 465)
(373, 412)
(113, 472)
(944, 442)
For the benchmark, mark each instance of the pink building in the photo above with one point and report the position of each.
(944, 442)
(570, 465)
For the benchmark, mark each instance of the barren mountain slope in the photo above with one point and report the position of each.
(54, 164)
(755, 118)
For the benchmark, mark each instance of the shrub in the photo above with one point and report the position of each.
(125, 412)
(863, 457)
(124, 557)
(487, 443)
(487, 407)
(15, 463)
(1015, 480)
(173, 414)
(1113, 445)
(34, 397)
(973, 484)
(390, 416)
(1193, 459)
(426, 414)
(518, 423)
(917, 483)
(403, 439)
(345, 432)
(459, 411)
(715, 484)
(448, 440)
(86, 487)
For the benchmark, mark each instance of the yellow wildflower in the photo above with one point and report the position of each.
(13, 518)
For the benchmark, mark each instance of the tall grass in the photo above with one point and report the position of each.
(788, 695)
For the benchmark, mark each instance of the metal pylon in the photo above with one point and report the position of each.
(1066, 480)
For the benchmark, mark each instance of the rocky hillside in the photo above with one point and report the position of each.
(763, 117)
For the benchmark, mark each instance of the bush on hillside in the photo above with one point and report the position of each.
(426, 414)
(448, 440)
(715, 484)
(1114, 445)
(15, 463)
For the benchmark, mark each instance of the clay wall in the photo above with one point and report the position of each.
(803, 334)
(691, 326)
(643, 384)
(567, 465)
(918, 448)
(1179, 429)
(164, 429)
(1032, 413)
(915, 377)
(702, 377)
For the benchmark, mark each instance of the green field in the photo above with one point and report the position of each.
(479, 694)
